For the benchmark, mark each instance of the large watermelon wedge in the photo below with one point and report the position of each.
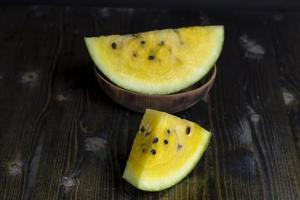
(157, 62)
(166, 148)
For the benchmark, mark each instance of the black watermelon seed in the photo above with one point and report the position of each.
(151, 57)
(143, 150)
(168, 131)
(143, 42)
(147, 134)
(153, 151)
(162, 43)
(114, 45)
(179, 146)
(188, 130)
(166, 142)
(155, 140)
(142, 129)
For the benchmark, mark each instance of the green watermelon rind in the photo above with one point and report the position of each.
(152, 88)
(157, 185)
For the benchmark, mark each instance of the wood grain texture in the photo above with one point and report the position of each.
(101, 123)
(24, 93)
(286, 50)
(258, 135)
(236, 169)
(61, 137)
(56, 177)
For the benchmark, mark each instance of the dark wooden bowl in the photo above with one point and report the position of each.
(170, 103)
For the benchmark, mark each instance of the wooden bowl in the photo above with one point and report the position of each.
(170, 103)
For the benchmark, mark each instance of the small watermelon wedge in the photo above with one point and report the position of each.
(157, 62)
(165, 150)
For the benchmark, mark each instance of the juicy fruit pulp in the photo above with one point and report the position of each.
(157, 62)
(166, 148)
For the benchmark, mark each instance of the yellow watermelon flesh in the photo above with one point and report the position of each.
(157, 62)
(166, 148)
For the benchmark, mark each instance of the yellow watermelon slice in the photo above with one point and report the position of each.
(166, 148)
(157, 62)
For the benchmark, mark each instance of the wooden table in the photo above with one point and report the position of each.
(62, 138)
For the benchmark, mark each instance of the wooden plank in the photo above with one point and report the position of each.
(102, 124)
(24, 93)
(235, 168)
(255, 151)
(57, 174)
(286, 39)
(266, 98)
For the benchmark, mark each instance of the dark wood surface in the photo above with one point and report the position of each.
(283, 5)
(61, 137)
